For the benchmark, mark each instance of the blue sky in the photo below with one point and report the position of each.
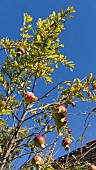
(79, 38)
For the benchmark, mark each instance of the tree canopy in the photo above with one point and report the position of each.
(36, 56)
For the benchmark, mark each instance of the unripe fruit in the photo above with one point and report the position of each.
(64, 120)
(39, 141)
(66, 143)
(2, 105)
(92, 167)
(29, 97)
(20, 51)
(60, 123)
(3, 102)
(37, 161)
(58, 113)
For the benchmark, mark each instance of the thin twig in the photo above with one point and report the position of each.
(34, 84)
(46, 94)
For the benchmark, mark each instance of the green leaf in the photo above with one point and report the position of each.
(1, 78)
(38, 37)
(49, 168)
(21, 132)
(2, 122)
(80, 139)
(43, 124)
(79, 95)
(89, 77)
(26, 36)
(6, 112)
(61, 45)
(68, 83)
(22, 29)
(94, 98)
(29, 26)
(56, 65)
(5, 84)
(27, 18)
(49, 79)
(94, 109)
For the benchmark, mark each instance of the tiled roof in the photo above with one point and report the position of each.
(84, 154)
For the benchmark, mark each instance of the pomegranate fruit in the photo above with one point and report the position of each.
(29, 97)
(59, 112)
(20, 51)
(37, 161)
(92, 167)
(62, 109)
(69, 131)
(66, 143)
(39, 141)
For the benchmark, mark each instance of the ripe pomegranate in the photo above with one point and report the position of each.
(62, 109)
(59, 112)
(39, 141)
(29, 97)
(66, 143)
(20, 51)
(92, 167)
(69, 131)
(37, 161)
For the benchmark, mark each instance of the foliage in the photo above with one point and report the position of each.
(19, 73)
